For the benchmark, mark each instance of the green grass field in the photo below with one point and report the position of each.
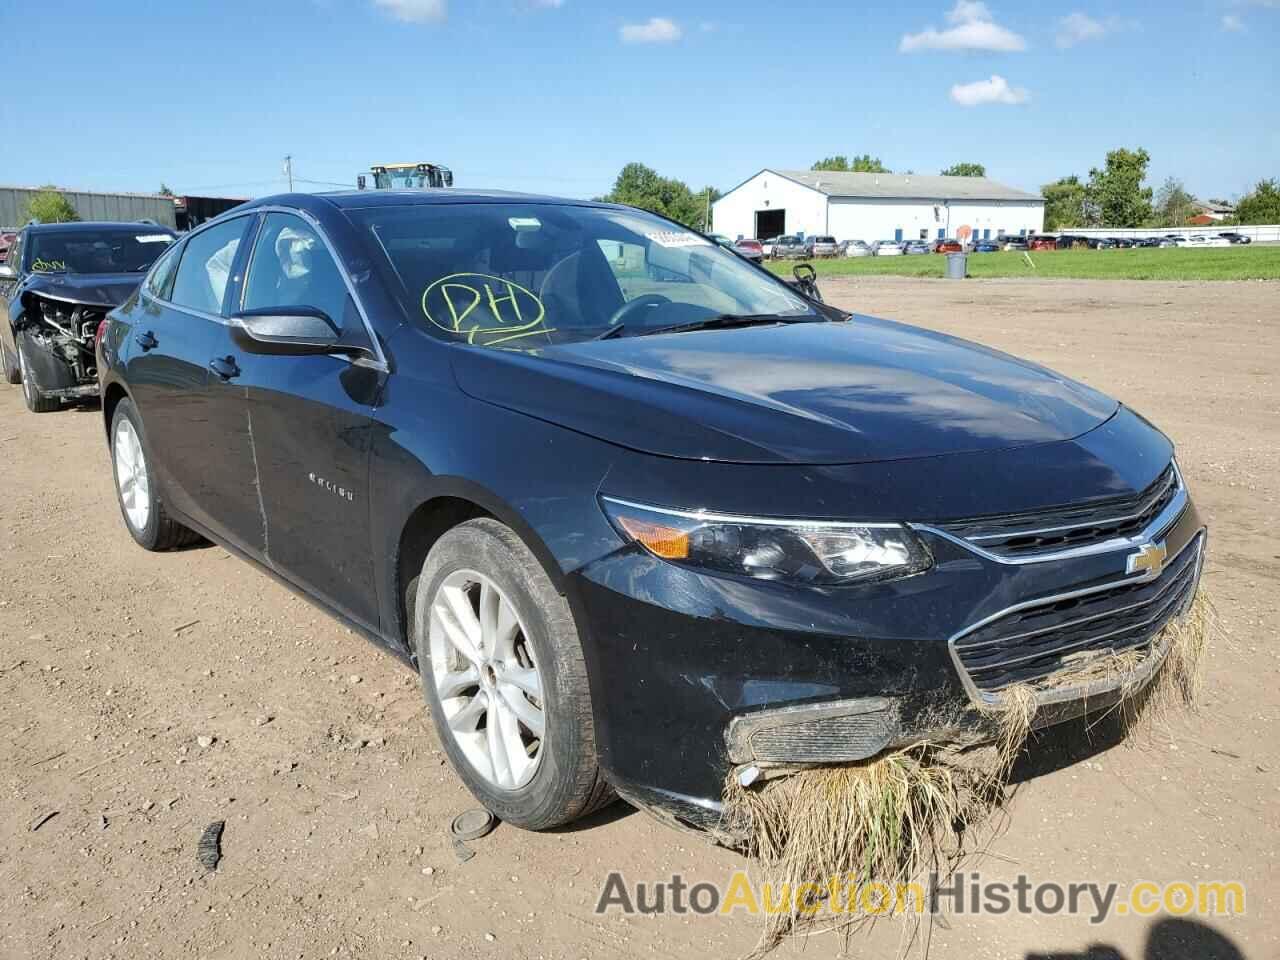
(1231, 263)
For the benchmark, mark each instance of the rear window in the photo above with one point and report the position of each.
(824, 239)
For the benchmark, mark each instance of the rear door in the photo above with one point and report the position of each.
(310, 420)
(173, 324)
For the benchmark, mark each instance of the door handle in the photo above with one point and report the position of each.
(225, 367)
(146, 340)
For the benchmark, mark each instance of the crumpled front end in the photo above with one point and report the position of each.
(60, 336)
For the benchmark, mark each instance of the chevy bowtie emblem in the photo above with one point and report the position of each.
(1149, 560)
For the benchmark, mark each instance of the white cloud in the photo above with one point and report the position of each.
(546, 4)
(972, 28)
(655, 30)
(1231, 23)
(1076, 28)
(416, 11)
(995, 90)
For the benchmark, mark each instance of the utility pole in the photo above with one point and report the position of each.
(706, 217)
(288, 170)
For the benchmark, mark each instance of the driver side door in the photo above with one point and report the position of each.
(309, 421)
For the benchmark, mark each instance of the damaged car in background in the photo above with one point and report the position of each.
(58, 283)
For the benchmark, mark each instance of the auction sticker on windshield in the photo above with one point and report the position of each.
(675, 238)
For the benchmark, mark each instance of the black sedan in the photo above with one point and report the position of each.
(641, 514)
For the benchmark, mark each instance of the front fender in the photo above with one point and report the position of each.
(427, 444)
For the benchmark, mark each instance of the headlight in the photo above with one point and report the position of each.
(803, 551)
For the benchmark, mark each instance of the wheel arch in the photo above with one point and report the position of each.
(112, 394)
(452, 501)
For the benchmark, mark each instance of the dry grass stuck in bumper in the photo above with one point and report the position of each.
(894, 818)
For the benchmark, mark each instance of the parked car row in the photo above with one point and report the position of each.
(562, 456)
(1069, 241)
(794, 247)
(790, 247)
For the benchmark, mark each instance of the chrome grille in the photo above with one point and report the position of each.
(1064, 528)
(1035, 640)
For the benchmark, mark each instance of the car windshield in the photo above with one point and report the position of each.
(525, 275)
(96, 250)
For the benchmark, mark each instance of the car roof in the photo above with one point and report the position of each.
(360, 199)
(96, 225)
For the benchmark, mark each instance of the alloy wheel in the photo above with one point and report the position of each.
(488, 682)
(132, 479)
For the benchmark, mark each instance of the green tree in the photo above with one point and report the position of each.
(865, 163)
(1064, 204)
(51, 206)
(641, 186)
(164, 190)
(1174, 205)
(965, 170)
(1261, 204)
(1115, 195)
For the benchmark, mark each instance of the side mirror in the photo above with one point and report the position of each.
(7, 272)
(292, 331)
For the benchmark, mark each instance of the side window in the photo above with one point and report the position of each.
(15, 254)
(291, 267)
(160, 282)
(205, 268)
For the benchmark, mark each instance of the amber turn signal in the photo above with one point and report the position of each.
(666, 542)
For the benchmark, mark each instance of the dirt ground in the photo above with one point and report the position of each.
(143, 696)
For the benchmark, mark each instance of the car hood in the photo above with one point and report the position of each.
(86, 289)
(815, 393)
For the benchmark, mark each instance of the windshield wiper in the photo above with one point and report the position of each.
(727, 320)
(609, 332)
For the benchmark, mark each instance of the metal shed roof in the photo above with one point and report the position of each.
(902, 186)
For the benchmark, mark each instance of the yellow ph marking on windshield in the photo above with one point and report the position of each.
(453, 306)
(451, 302)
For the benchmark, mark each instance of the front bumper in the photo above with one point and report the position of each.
(694, 675)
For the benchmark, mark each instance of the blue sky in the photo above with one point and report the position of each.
(554, 96)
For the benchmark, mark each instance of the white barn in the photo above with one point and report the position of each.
(874, 206)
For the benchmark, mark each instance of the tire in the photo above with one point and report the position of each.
(9, 369)
(141, 506)
(538, 782)
(37, 402)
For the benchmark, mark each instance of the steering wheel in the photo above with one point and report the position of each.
(639, 303)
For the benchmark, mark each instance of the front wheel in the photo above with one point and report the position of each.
(503, 674)
(9, 369)
(35, 399)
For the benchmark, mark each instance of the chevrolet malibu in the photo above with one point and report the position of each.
(640, 514)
